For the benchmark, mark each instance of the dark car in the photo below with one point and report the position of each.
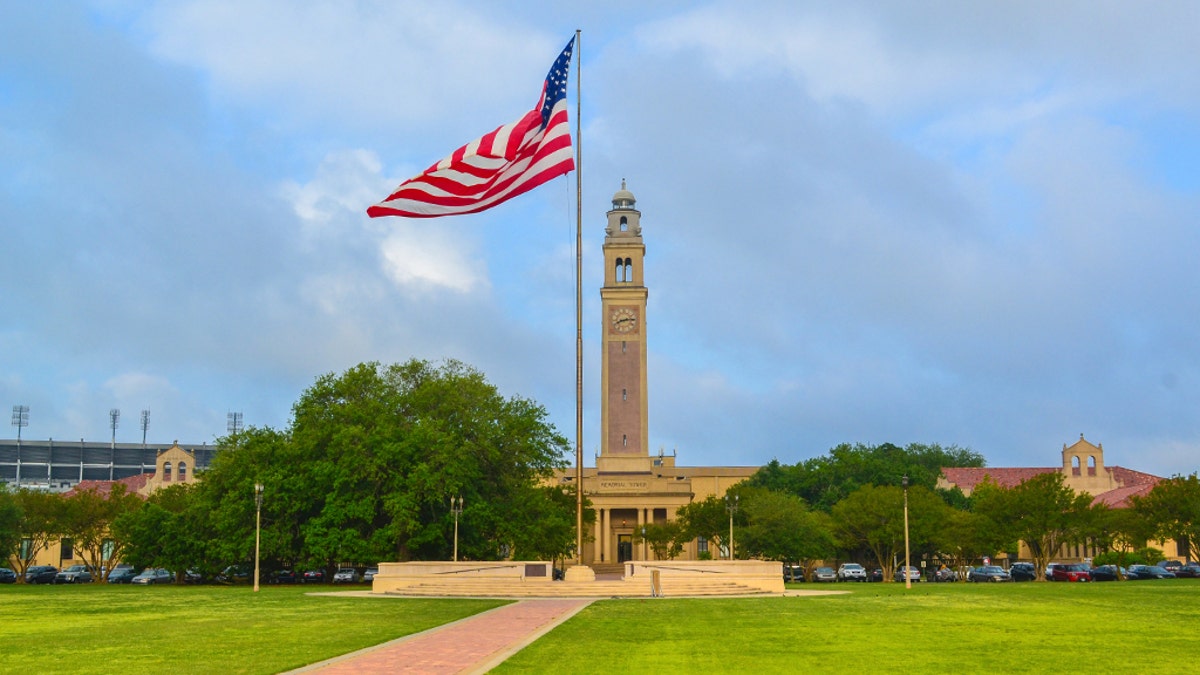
(369, 575)
(7, 576)
(876, 574)
(1075, 572)
(1109, 573)
(1023, 571)
(945, 573)
(122, 574)
(988, 573)
(1190, 570)
(41, 574)
(314, 577)
(1171, 566)
(1140, 572)
(75, 574)
(154, 575)
(282, 577)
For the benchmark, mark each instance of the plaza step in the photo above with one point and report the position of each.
(498, 588)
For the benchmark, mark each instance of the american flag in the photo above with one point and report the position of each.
(490, 170)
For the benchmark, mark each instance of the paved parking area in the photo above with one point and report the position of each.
(475, 644)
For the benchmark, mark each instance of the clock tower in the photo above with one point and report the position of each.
(624, 425)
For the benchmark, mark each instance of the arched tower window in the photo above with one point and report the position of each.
(181, 472)
(1075, 466)
(629, 269)
(1091, 466)
(624, 224)
(166, 472)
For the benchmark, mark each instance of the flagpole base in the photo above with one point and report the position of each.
(579, 573)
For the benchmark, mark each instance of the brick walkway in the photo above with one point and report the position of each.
(473, 645)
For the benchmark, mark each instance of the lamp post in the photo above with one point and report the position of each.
(456, 507)
(907, 577)
(731, 506)
(258, 492)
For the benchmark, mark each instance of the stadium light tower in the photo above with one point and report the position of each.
(20, 419)
(114, 417)
(145, 426)
(233, 425)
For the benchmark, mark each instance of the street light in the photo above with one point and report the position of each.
(731, 507)
(907, 577)
(258, 490)
(456, 506)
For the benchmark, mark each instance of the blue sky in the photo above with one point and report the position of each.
(955, 223)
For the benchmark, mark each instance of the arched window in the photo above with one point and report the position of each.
(628, 269)
(1075, 466)
(1091, 465)
(624, 223)
(166, 472)
(181, 472)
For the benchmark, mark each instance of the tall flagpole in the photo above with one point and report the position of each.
(578, 303)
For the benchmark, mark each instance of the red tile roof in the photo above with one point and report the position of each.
(966, 478)
(104, 487)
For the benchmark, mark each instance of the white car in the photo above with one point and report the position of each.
(851, 572)
(345, 575)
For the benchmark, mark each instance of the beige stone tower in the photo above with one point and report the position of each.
(624, 426)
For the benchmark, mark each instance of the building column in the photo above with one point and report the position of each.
(596, 546)
(605, 529)
(641, 522)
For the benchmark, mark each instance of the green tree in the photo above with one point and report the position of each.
(872, 518)
(87, 517)
(41, 517)
(1172, 511)
(707, 518)
(10, 524)
(666, 540)
(824, 481)
(1042, 511)
(781, 527)
(366, 470)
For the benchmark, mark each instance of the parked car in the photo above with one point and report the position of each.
(913, 573)
(1140, 572)
(236, 574)
(314, 577)
(1023, 571)
(41, 574)
(345, 575)
(945, 573)
(281, 577)
(7, 576)
(122, 574)
(851, 572)
(369, 575)
(1050, 570)
(1171, 566)
(876, 574)
(988, 573)
(1190, 570)
(790, 573)
(75, 574)
(1074, 572)
(153, 575)
(1109, 573)
(824, 574)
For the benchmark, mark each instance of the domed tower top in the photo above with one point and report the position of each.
(624, 219)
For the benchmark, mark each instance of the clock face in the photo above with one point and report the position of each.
(624, 320)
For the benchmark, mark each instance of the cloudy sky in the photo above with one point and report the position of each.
(934, 222)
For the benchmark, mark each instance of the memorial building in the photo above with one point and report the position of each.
(630, 487)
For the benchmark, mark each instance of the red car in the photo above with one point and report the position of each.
(1076, 572)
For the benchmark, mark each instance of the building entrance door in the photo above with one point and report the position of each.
(624, 547)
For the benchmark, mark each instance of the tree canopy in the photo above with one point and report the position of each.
(826, 480)
(366, 470)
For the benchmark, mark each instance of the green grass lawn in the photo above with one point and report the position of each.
(97, 628)
(1134, 627)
